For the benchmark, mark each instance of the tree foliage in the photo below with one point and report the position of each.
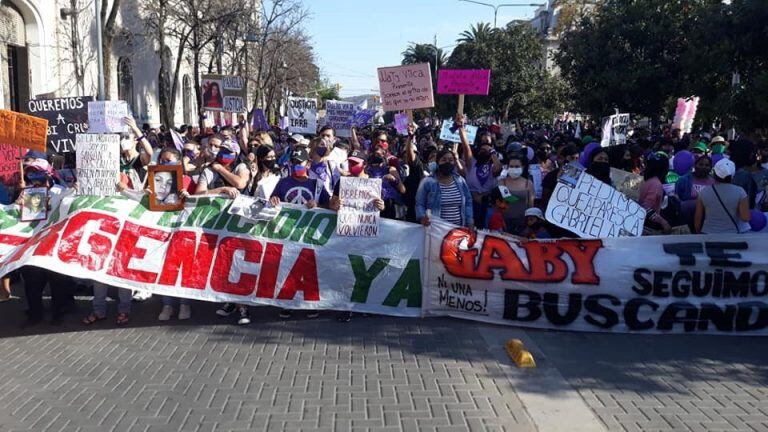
(640, 55)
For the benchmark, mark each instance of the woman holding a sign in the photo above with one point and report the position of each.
(445, 194)
(483, 167)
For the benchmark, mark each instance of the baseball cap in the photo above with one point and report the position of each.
(229, 146)
(725, 168)
(533, 211)
(717, 139)
(299, 139)
(700, 146)
(33, 154)
(299, 154)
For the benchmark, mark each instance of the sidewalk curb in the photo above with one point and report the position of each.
(556, 407)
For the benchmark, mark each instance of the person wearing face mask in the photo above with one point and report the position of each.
(569, 154)
(268, 173)
(415, 169)
(320, 167)
(222, 176)
(445, 195)
(519, 189)
(392, 187)
(600, 166)
(133, 161)
(482, 168)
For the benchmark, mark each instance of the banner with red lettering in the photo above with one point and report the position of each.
(660, 284)
(295, 260)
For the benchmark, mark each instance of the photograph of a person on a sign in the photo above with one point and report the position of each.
(212, 97)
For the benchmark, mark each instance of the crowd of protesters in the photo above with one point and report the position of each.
(697, 183)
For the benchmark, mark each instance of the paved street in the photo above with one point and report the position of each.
(375, 373)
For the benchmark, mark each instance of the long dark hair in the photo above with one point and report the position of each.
(208, 96)
(523, 160)
(657, 165)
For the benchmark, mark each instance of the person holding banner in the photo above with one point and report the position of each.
(651, 195)
(267, 174)
(220, 177)
(320, 166)
(133, 161)
(392, 187)
(445, 194)
(521, 193)
(722, 207)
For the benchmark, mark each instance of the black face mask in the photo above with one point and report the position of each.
(445, 168)
(600, 170)
(268, 163)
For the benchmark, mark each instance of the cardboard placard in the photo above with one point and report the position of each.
(406, 87)
(590, 208)
(339, 115)
(9, 164)
(31, 132)
(302, 115)
(358, 216)
(66, 117)
(98, 164)
(464, 81)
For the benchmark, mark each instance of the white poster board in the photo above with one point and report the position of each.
(358, 216)
(302, 115)
(98, 163)
(447, 135)
(339, 115)
(107, 117)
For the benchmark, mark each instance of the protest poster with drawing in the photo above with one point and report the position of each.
(448, 133)
(363, 118)
(358, 215)
(107, 117)
(339, 115)
(615, 130)
(225, 93)
(66, 118)
(97, 164)
(302, 115)
(406, 87)
(590, 208)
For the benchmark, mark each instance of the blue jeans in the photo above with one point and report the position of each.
(168, 300)
(100, 299)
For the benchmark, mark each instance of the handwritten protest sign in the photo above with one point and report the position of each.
(31, 132)
(627, 183)
(98, 163)
(302, 115)
(259, 120)
(463, 81)
(406, 87)
(339, 116)
(9, 164)
(223, 93)
(107, 116)
(447, 135)
(363, 118)
(401, 123)
(66, 118)
(7, 127)
(592, 209)
(615, 130)
(358, 216)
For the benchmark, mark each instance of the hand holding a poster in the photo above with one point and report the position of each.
(359, 203)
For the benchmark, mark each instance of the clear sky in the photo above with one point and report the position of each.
(351, 38)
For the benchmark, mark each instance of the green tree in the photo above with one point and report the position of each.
(424, 53)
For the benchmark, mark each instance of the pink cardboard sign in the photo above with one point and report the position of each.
(463, 81)
(406, 87)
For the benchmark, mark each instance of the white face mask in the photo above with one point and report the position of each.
(126, 145)
(515, 172)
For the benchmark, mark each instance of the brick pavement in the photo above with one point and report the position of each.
(665, 382)
(375, 373)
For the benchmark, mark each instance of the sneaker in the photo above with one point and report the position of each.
(166, 313)
(185, 312)
(245, 317)
(226, 310)
(141, 295)
(313, 314)
(285, 313)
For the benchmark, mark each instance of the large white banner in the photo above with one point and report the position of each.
(660, 284)
(203, 252)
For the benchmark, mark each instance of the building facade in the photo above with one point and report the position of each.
(48, 49)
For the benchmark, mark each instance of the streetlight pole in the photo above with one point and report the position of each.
(99, 50)
(497, 7)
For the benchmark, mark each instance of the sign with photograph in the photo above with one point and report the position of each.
(223, 93)
(165, 185)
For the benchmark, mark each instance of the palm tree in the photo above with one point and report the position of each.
(424, 53)
(479, 33)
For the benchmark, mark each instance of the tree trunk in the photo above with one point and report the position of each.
(198, 93)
